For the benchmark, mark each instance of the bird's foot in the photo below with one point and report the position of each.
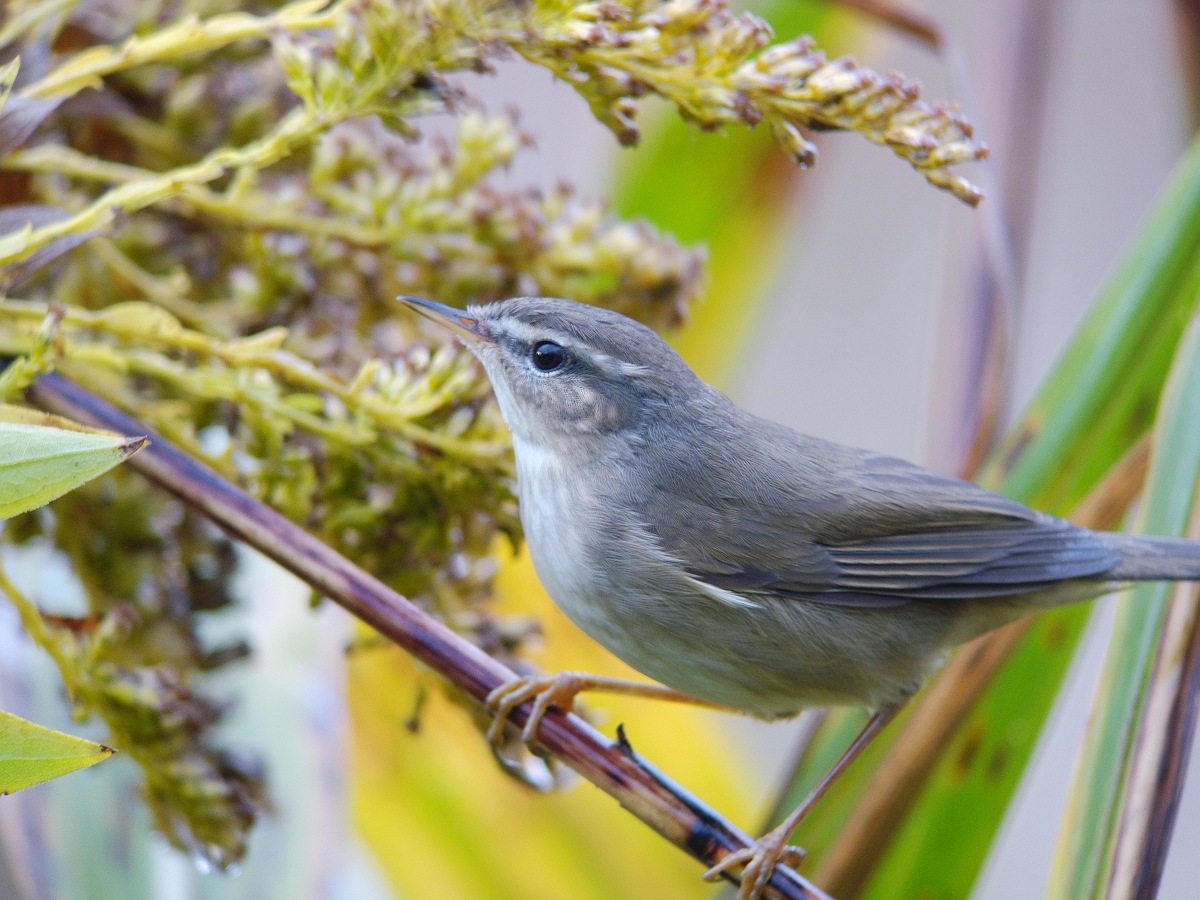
(544, 690)
(760, 861)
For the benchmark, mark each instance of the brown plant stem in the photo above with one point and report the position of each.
(1003, 256)
(916, 23)
(996, 281)
(665, 807)
(1187, 34)
(895, 785)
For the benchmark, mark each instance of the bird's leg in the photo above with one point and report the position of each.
(772, 848)
(560, 690)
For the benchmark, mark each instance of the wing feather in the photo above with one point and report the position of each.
(825, 523)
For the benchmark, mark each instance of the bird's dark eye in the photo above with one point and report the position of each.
(548, 356)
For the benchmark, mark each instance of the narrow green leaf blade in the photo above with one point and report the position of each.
(31, 754)
(39, 463)
(1084, 858)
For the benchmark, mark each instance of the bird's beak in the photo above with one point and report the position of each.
(469, 329)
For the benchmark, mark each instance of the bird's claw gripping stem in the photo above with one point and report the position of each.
(760, 861)
(544, 690)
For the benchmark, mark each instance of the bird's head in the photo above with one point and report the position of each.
(562, 369)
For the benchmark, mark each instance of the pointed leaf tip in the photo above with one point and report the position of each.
(43, 457)
(31, 754)
(133, 445)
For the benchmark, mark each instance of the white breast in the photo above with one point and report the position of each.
(555, 510)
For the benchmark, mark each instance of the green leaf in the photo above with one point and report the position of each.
(31, 754)
(1087, 838)
(42, 457)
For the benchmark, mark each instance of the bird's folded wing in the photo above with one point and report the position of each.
(894, 533)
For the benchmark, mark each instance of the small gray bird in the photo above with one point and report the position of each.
(739, 562)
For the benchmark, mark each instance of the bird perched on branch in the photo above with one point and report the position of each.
(740, 563)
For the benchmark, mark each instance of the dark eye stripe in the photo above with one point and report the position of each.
(548, 356)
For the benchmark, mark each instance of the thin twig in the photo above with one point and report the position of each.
(1006, 223)
(665, 807)
(1187, 38)
(996, 293)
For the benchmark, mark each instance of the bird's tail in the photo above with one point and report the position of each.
(1145, 558)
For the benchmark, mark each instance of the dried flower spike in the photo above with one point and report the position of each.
(713, 66)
